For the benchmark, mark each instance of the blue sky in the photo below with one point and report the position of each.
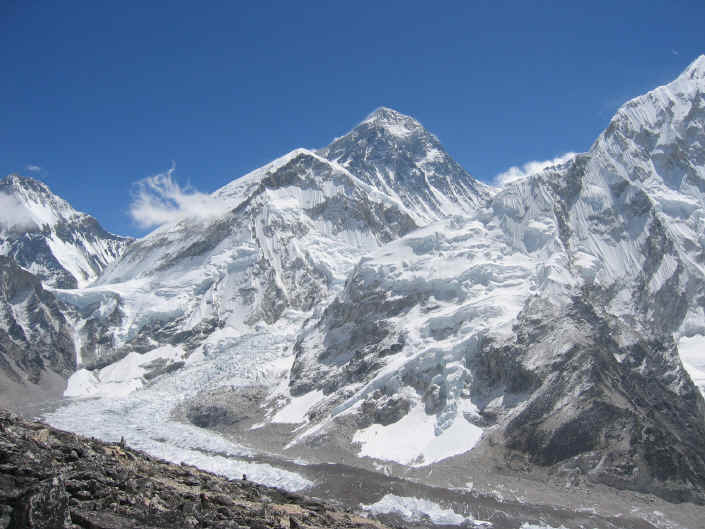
(96, 96)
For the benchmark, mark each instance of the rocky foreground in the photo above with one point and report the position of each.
(55, 479)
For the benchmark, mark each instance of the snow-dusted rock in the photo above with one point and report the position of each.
(35, 334)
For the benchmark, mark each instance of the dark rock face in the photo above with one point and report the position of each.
(35, 335)
(44, 506)
(620, 423)
(51, 479)
(210, 416)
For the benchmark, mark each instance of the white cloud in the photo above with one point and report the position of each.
(516, 173)
(160, 200)
(33, 168)
(13, 214)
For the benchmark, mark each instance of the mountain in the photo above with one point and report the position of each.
(278, 243)
(371, 302)
(44, 244)
(46, 236)
(545, 326)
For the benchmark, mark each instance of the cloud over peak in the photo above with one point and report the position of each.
(160, 200)
(14, 215)
(517, 173)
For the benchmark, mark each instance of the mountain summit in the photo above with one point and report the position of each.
(45, 235)
(394, 122)
(396, 155)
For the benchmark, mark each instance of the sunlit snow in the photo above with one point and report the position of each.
(692, 352)
(413, 440)
(418, 509)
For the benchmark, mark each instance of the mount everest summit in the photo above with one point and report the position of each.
(373, 289)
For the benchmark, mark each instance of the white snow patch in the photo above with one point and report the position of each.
(417, 509)
(120, 378)
(665, 270)
(692, 353)
(412, 440)
(295, 411)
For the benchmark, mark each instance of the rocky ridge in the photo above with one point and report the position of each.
(55, 479)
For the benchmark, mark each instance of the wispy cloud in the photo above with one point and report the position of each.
(33, 168)
(675, 52)
(517, 173)
(159, 200)
(13, 214)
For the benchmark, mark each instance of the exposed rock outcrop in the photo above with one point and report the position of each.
(50, 479)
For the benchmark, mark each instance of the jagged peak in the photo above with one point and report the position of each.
(385, 113)
(696, 69)
(18, 180)
(394, 122)
(37, 201)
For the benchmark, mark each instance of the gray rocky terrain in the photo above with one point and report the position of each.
(50, 479)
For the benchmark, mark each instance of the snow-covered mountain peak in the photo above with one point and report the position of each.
(395, 154)
(240, 188)
(34, 203)
(45, 235)
(395, 123)
(696, 69)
